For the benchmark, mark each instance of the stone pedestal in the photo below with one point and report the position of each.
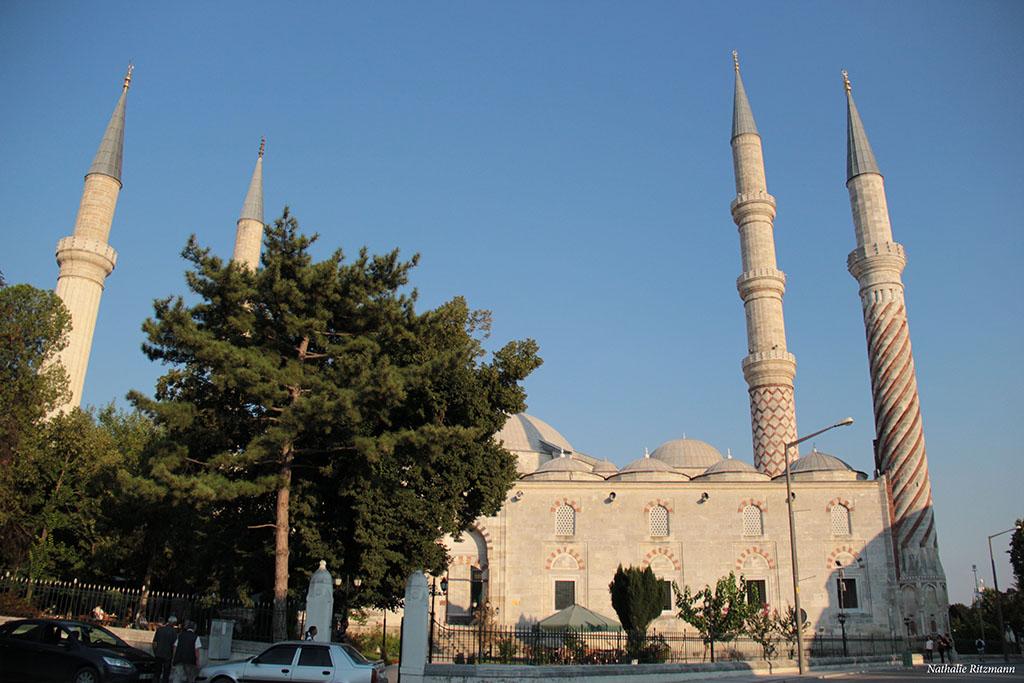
(415, 628)
(320, 603)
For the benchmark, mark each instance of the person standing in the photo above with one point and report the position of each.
(929, 647)
(941, 645)
(186, 654)
(310, 633)
(163, 647)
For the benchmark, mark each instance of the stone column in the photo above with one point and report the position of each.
(415, 628)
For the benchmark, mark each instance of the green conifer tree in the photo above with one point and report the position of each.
(312, 398)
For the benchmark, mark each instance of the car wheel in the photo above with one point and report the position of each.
(222, 679)
(86, 675)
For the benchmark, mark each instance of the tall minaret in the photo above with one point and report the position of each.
(877, 264)
(85, 258)
(249, 235)
(768, 368)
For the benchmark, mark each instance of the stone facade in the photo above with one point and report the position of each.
(563, 531)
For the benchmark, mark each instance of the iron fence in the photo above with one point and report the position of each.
(516, 645)
(137, 607)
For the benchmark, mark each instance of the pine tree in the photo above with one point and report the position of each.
(314, 395)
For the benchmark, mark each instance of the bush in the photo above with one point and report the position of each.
(655, 650)
(13, 606)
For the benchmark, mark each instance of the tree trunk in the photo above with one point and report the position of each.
(281, 550)
(147, 581)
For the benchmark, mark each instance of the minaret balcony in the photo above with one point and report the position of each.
(761, 282)
(757, 204)
(882, 257)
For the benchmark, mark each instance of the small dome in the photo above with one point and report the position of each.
(734, 470)
(689, 454)
(818, 465)
(565, 464)
(524, 432)
(565, 468)
(648, 469)
(605, 468)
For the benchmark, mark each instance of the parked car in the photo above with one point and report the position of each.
(299, 661)
(61, 651)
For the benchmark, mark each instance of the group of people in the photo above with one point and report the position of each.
(942, 643)
(178, 651)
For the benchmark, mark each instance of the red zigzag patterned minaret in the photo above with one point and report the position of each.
(877, 264)
(768, 368)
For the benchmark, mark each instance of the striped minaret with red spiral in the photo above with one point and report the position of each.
(877, 263)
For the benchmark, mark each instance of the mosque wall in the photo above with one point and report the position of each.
(553, 534)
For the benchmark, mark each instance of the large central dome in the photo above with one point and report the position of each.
(524, 432)
(687, 454)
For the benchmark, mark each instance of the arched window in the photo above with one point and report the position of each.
(659, 521)
(752, 523)
(565, 521)
(840, 520)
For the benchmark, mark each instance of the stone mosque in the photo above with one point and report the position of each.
(865, 544)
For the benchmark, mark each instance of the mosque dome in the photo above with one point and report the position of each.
(818, 465)
(605, 468)
(689, 456)
(731, 469)
(524, 432)
(648, 468)
(565, 468)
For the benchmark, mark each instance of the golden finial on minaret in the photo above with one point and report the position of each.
(128, 76)
(736, 61)
(846, 81)
(263, 146)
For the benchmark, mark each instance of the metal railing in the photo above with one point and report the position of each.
(474, 644)
(135, 607)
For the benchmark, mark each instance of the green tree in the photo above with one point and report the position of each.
(762, 625)
(34, 325)
(1017, 554)
(637, 598)
(312, 398)
(719, 614)
(33, 329)
(787, 627)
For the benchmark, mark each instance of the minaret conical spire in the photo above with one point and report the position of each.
(769, 368)
(859, 157)
(108, 157)
(742, 116)
(84, 257)
(253, 205)
(249, 232)
(877, 263)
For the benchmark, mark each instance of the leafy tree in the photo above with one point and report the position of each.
(787, 627)
(719, 614)
(762, 625)
(34, 325)
(637, 599)
(312, 398)
(61, 482)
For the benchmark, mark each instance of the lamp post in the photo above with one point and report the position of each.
(977, 602)
(798, 615)
(999, 599)
(842, 605)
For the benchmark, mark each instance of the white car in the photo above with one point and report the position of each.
(299, 661)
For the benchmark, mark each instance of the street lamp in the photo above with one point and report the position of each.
(801, 665)
(999, 599)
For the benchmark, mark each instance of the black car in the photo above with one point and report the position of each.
(59, 651)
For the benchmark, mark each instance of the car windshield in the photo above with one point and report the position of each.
(355, 654)
(94, 636)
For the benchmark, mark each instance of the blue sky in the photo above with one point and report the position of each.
(567, 166)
